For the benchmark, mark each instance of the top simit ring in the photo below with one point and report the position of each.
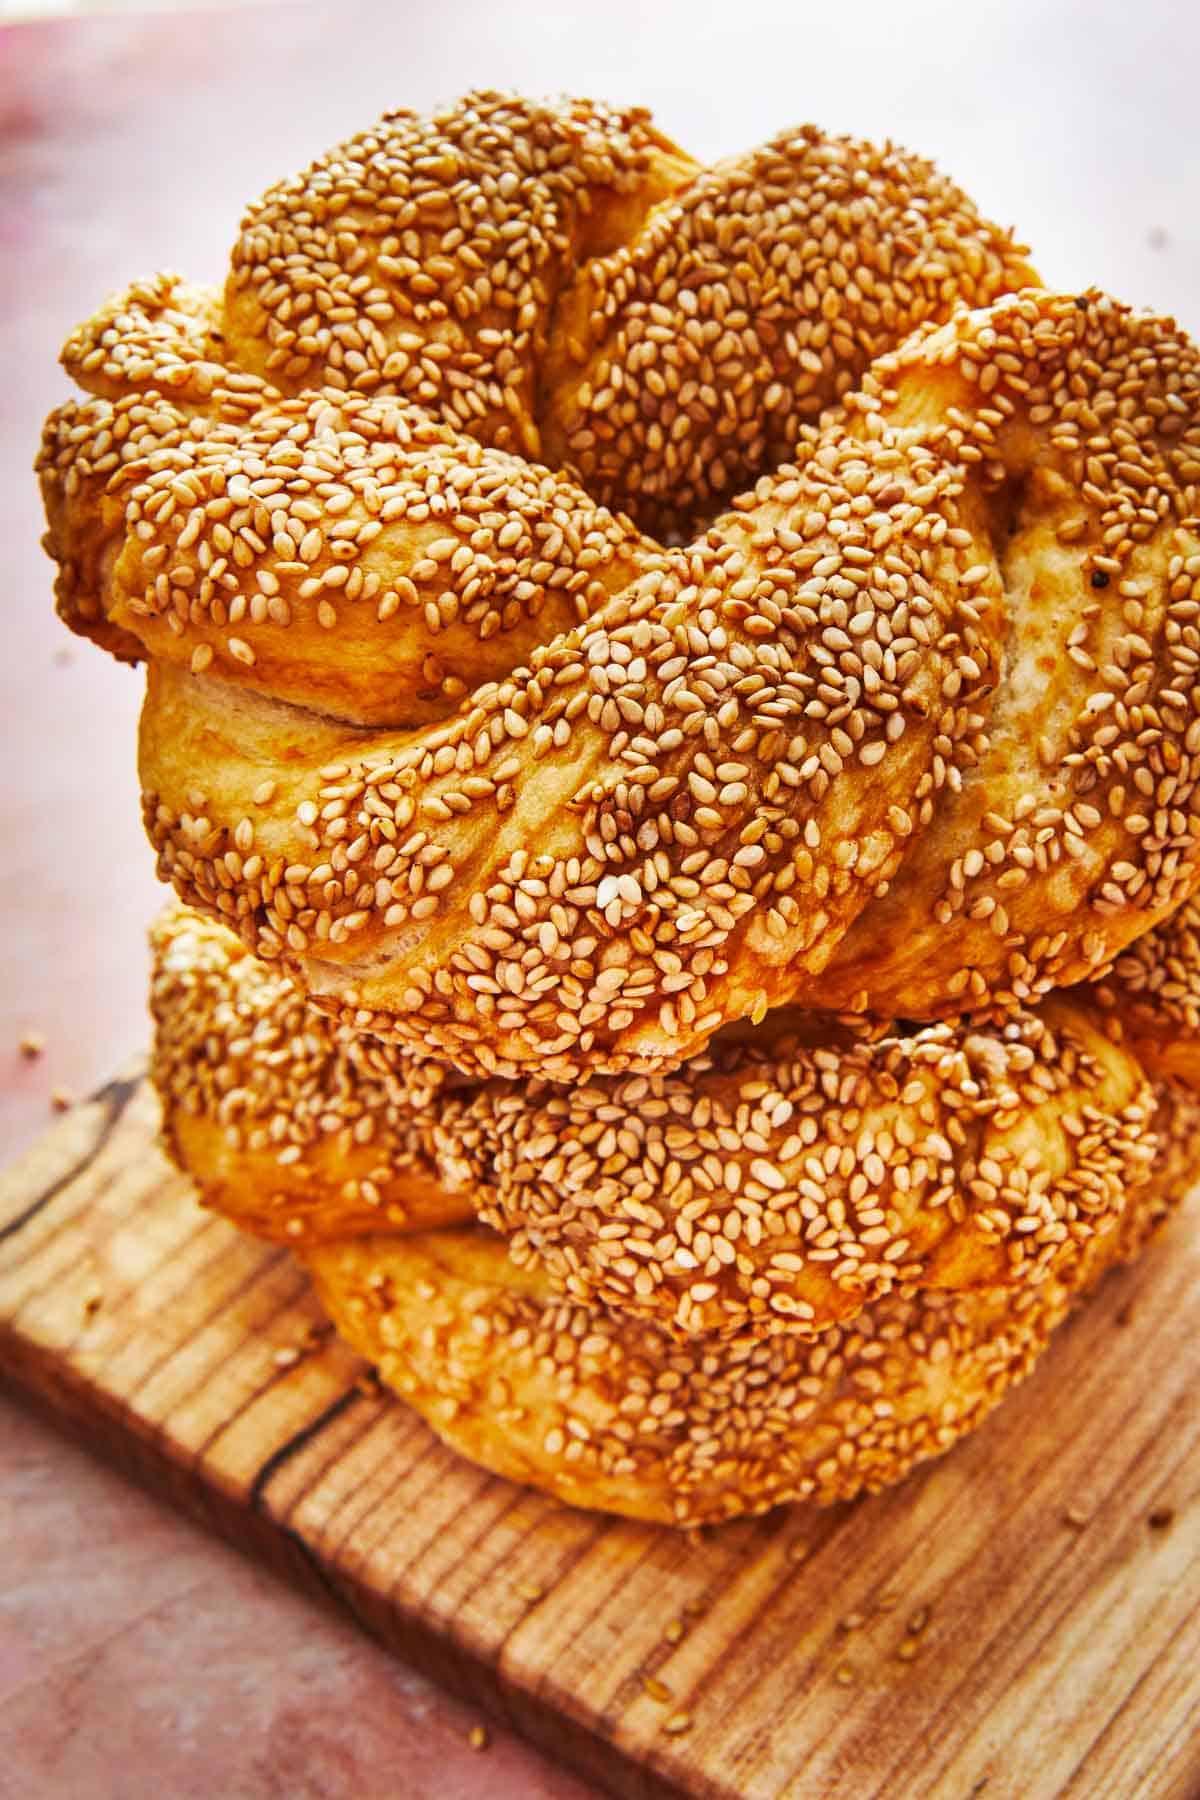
(677, 777)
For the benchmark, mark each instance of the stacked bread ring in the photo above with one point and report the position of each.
(767, 909)
(1056, 1157)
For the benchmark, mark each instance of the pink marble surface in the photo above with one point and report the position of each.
(136, 1656)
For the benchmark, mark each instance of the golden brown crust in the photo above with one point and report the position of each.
(1150, 999)
(164, 339)
(1075, 826)
(557, 755)
(289, 1127)
(602, 857)
(406, 292)
(772, 1183)
(907, 730)
(424, 257)
(785, 1186)
(611, 1413)
(349, 555)
(686, 362)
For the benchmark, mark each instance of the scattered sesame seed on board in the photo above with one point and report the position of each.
(657, 1690)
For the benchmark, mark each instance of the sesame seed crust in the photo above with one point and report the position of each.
(906, 730)
(781, 1187)
(162, 337)
(689, 360)
(606, 1412)
(1076, 826)
(777, 1182)
(291, 1126)
(347, 554)
(1012, 826)
(424, 258)
(709, 798)
(1150, 999)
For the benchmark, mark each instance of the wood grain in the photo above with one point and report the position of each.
(1054, 1656)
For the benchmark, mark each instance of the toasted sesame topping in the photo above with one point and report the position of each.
(288, 1123)
(777, 1183)
(690, 359)
(909, 729)
(1150, 998)
(673, 778)
(1073, 822)
(611, 1412)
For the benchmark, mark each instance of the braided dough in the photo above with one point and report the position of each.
(301, 502)
(589, 601)
(304, 1132)
(1150, 999)
(606, 1412)
(772, 1183)
(290, 1126)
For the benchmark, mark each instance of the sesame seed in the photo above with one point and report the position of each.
(477, 451)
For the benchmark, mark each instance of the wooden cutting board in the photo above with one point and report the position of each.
(1019, 1620)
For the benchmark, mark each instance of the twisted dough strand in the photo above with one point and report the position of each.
(1076, 826)
(781, 1180)
(285, 1122)
(938, 671)
(611, 1413)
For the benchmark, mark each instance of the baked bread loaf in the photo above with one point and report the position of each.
(676, 813)
(781, 1180)
(309, 1134)
(302, 501)
(610, 1413)
(679, 782)
(672, 693)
